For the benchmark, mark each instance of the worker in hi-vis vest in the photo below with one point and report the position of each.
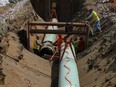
(36, 44)
(75, 43)
(94, 19)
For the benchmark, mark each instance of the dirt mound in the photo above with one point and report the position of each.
(20, 68)
(97, 64)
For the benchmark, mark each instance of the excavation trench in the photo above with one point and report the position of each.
(55, 66)
(62, 13)
(47, 49)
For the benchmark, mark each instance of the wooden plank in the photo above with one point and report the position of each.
(57, 23)
(56, 32)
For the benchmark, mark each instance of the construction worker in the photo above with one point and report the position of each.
(81, 44)
(94, 19)
(36, 44)
(75, 43)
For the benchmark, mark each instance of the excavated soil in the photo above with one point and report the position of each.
(22, 68)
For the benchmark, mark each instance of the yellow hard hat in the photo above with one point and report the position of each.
(53, 4)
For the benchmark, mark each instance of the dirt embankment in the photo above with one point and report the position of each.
(96, 65)
(21, 68)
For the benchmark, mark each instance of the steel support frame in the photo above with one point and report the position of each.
(44, 31)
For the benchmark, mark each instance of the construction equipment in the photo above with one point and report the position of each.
(80, 29)
(68, 73)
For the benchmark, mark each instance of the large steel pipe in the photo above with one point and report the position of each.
(68, 73)
(47, 47)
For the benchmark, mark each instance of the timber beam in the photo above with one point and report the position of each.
(58, 23)
(56, 32)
